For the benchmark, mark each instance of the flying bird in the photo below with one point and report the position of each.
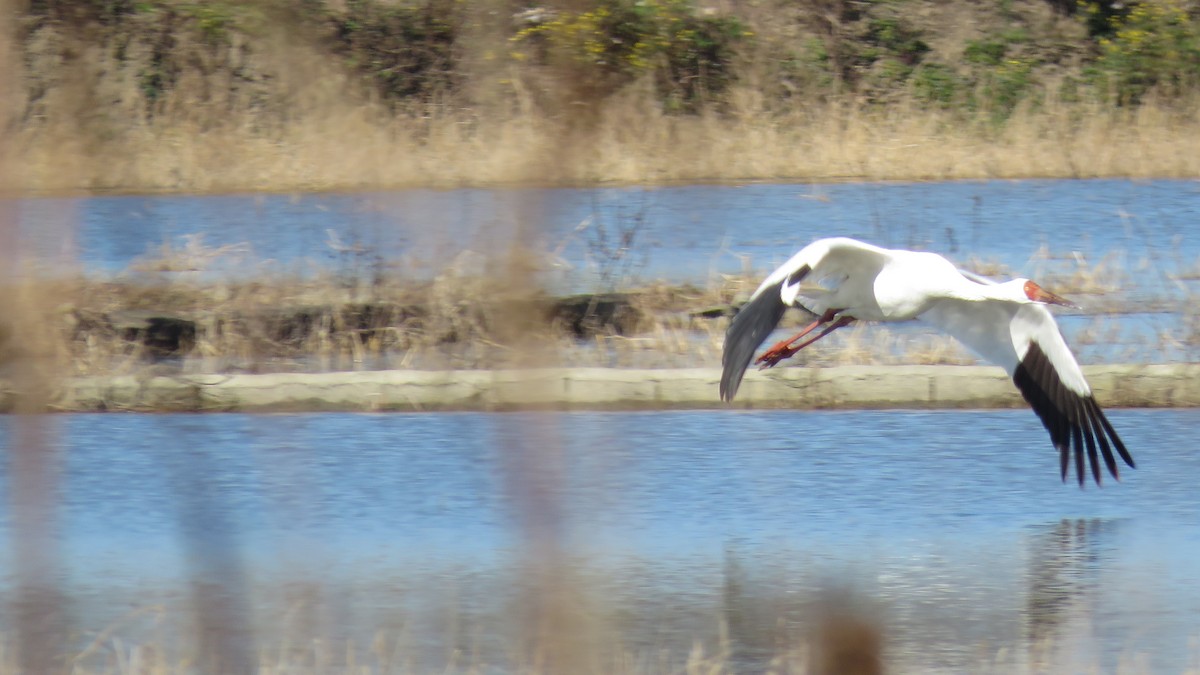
(843, 280)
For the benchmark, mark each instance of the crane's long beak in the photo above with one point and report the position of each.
(1039, 294)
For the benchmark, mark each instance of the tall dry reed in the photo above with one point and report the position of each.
(353, 147)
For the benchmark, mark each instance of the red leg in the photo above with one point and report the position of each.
(784, 349)
(783, 345)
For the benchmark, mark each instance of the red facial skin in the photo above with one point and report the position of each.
(1038, 294)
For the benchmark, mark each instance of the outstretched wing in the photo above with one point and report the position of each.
(1025, 340)
(838, 261)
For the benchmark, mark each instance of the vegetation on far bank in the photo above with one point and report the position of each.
(294, 94)
(199, 309)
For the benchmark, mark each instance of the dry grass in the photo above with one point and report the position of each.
(195, 308)
(317, 324)
(346, 147)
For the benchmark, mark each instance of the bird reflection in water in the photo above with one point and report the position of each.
(1066, 559)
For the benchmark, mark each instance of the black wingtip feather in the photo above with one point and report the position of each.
(1112, 434)
(1078, 438)
(1102, 442)
(1085, 425)
(1076, 423)
(752, 324)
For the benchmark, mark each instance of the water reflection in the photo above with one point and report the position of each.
(225, 638)
(777, 616)
(1065, 563)
(760, 615)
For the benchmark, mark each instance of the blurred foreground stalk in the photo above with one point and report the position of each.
(37, 607)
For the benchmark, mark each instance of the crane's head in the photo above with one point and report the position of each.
(1031, 292)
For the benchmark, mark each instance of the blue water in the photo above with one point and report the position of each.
(952, 525)
(682, 233)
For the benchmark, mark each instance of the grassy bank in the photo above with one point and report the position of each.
(193, 309)
(275, 95)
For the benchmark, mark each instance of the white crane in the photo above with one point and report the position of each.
(841, 280)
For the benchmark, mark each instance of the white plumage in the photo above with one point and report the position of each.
(842, 280)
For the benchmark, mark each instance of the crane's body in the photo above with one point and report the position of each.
(842, 280)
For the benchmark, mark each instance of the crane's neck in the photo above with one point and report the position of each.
(1010, 291)
(915, 282)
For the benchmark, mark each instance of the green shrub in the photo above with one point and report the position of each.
(896, 39)
(935, 83)
(617, 41)
(999, 90)
(1155, 45)
(213, 20)
(1001, 71)
(699, 54)
(82, 11)
(985, 52)
(407, 50)
(883, 58)
(803, 71)
(1101, 16)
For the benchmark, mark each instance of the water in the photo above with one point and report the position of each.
(684, 233)
(952, 526)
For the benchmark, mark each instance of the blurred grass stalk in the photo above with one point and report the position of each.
(36, 605)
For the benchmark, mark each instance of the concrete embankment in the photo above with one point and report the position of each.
(1176, 385)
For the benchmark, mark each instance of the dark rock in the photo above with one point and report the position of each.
(162, 335)
(587, 315)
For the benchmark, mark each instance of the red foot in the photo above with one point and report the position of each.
(783, 350)
(774, 355)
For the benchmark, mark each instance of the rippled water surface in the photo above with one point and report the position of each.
(685, 232)
(952, 527)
